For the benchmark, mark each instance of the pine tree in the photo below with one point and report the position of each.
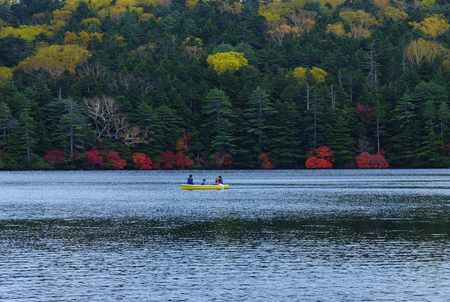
(341, 140)
(5, 119)
(218, 109)
(257, 114)
(444, 118)
(285, 136)
(72, 131)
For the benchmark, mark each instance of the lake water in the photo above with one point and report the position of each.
(274, 236)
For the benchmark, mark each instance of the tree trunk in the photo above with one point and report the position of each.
(27, 142)
(307, 96)
(378, 134)
(333, 97)
(71, 142)
(315, 120)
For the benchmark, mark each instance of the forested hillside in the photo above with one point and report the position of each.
(212, 84)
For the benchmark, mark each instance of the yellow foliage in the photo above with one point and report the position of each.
(300, 73)
(83, 38)
(145, 17)
(5, 74)
(191, 4)
(381, 4)
(421, 49)
(25, 32)
(90, 21)
(337, 29)
(70, 38)
(232, 8)
(273, 11)
(428, 3)
(318, 74)
(304, 74)
(56, 59)
(432, 26)
(360, 22)
(395, 14)
(227, 61)
(278, 32)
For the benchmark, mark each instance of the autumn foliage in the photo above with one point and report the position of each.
(366, 160)
(322, 158)
(94, 158)
(265, 161)
(182, 161)
(222, 161)
(142, 161)
(227, 61)
(55, 157)
(168, 159)
(114, 160)
(364, 112)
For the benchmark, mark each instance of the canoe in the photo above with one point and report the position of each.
(205, 187)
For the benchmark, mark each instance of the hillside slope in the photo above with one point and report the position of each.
(248, 84)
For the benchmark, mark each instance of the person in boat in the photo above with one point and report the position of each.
(219, 180)
(204, 182)
(190, 180)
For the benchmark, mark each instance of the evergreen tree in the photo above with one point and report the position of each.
(444, 118)
(72, 131)
(218, 110)
(257, 116)
(341, 140)
(5, 120)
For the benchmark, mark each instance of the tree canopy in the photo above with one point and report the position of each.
(150, 84)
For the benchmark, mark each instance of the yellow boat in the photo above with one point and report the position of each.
(204, 187)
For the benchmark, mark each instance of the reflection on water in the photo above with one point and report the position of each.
(275, 236)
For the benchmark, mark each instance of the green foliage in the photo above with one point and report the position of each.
(219, 112)
(234, 79)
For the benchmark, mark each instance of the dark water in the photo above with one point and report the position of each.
(274, 236)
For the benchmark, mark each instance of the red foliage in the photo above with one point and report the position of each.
(364, 112)
(156, 166)
(55, 157)
(324, 152)
(142, 161)
(265, 161)
(322, 158)
(222, 161)
(95, 158)
(189, 163)
(366, 160)
(115, 161)
(318, 163)
(168, 159)
(180, 160)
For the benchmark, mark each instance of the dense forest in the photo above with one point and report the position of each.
(150, 84)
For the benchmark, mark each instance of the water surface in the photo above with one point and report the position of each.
(274, 236)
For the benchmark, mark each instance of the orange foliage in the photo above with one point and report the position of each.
(115, 161)
(322, 158)
(95, 158)
(142, 161)
(265, 161)
(366, 160)
(318, 163)
(222, 161)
